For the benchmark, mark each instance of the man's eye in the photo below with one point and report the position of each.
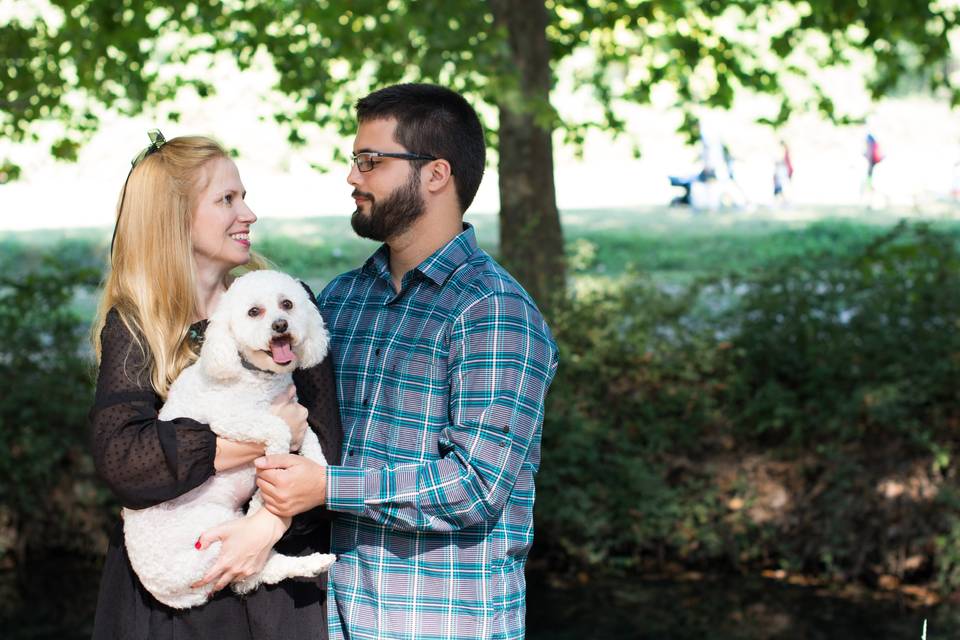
(253, 312)
(286, 305)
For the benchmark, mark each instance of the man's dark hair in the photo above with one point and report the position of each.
(435, 121)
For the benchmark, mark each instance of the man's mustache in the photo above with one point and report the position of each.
(361, 194)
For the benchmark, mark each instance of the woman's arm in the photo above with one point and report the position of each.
(232, 454)
(143, 459)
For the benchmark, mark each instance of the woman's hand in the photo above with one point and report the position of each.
(286, 407)
(245, 545)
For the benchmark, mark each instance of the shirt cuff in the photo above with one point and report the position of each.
(345, 489)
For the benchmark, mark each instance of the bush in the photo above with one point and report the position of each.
(800, 417)
(868, 348)
(638, 386)
(803, 416)
(47, 489)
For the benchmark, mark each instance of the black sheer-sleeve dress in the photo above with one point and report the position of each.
(146, 461)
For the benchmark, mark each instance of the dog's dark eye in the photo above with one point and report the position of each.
(253, 312)
(286, 305)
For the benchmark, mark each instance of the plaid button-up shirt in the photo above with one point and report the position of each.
(441, 389)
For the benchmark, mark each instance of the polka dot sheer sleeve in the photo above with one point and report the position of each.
(144, 460)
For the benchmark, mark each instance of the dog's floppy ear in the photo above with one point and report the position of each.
(218, 355)
(317, 340)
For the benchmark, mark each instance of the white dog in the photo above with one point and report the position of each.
(265, 327)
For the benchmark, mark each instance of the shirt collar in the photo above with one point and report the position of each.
(439, 265)
(379, 263)
(445, 260)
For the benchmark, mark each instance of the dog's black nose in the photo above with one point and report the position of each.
(280, 326)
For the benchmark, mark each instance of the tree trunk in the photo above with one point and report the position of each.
(531, 240)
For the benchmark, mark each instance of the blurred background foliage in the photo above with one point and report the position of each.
(797, 415)
(795, 412)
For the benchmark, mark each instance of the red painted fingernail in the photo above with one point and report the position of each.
(197, 545)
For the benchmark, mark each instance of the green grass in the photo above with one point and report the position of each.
(673, 245)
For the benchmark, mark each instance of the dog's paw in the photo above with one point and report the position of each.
(317, 563)
(247, 585)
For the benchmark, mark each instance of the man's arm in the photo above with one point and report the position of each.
(502, 362)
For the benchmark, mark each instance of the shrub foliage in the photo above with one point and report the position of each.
(799, 415)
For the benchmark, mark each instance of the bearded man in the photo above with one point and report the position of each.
(443, 363)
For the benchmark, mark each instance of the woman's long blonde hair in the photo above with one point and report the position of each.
(152, 282)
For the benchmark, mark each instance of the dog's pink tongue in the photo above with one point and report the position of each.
(281, 351)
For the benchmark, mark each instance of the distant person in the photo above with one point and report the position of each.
(728, 159)
(956, 181)
(712, 157)
(873, 156)
(782, 173)
(707, 191)
(734, 190)
(182, 227)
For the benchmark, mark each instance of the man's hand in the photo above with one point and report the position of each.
(291, 484)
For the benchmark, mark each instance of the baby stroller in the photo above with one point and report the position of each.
(686, 183)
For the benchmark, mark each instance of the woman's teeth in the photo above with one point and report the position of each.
(241, 236)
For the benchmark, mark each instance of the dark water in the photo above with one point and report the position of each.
(57, 602)
(721, 609)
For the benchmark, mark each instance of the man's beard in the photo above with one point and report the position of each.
(394, 215)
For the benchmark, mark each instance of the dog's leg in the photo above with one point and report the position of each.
(264, 428)
(256, 503)
(280, 567)
(311, 450)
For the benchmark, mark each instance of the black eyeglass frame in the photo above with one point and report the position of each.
(156, 141)
(370, 164)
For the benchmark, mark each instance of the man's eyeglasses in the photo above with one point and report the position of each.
(366, 160)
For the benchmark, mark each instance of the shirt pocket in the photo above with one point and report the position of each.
(420, 407)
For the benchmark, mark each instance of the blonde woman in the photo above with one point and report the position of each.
(182, 227)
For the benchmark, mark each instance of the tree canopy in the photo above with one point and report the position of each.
(70, 60)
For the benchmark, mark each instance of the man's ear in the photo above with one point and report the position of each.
(218, 355)
(316, 342)
(439, 176)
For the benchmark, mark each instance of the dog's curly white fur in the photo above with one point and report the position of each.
(265, 326)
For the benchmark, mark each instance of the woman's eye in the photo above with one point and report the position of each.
(286, 305)
(253, 312)
(228, 198)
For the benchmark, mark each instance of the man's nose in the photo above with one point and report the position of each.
(354, 177)
(279, 326)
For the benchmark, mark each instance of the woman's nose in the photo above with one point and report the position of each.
(247, 215)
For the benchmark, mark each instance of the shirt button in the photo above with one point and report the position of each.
(378, 352)
(506, 429)
(366, 401)
(350, 453)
